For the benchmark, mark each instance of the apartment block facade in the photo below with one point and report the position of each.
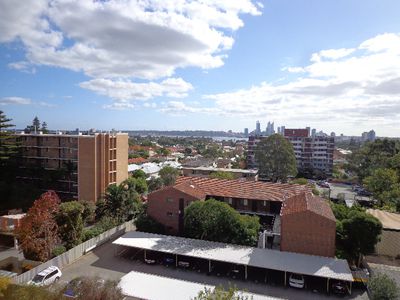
(75, 166)
(314, 154)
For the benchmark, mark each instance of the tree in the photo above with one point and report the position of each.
(44, 127)
(38, 233)
(276, 159)
(188, 151)
(8, 145)
(216, 221)
(168, 175)
(219, 293)
(155, 184)
(89, 209)
(139, 174)
(357, 232)
(383, 287)
(138, 185)
(120, 201)
(70, 223)
(222, 175)
(384, 184)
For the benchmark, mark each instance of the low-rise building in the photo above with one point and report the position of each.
(263, 199)
(251, 175)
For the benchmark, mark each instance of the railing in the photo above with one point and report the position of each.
(73, 254)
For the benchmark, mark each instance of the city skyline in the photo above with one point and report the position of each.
(215, 67)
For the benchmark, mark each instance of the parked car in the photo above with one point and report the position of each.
(169, 261)
(339, 288)
(46, 276)
(73, 289)
(323, 184)
(296, 281)
(150, 261)
(364, 193)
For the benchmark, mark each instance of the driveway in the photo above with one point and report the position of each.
(104, 262)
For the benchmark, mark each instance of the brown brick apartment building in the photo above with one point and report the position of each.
(308, 226)
(81, 166)
(269, 201)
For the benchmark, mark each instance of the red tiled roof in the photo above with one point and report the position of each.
(306, 201)
(191, 189)
(254, 190)
(138, 160)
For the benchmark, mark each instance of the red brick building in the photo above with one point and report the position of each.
(263, 199)
(308, 226)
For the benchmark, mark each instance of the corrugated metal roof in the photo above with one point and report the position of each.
(142, 286)
(263, 258)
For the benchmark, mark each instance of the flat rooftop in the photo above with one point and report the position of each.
(153, 287)
(319, 266)
(243, 171)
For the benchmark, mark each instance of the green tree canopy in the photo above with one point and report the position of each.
(384, 184)
(168, 175)
(139, 174)
(276, 159)
(222, 175)
(8, 145)
(70, 223)
(383, 287)
(155, 184)
(216, 221)
(357, 232)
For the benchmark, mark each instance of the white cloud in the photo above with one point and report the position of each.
(125, 91)
(15, 101)
(357, 87)
(23, 101)
(22, 66)
(115, 38)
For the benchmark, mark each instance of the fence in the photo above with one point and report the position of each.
(73, 254)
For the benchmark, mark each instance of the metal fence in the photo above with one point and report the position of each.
(73, 254)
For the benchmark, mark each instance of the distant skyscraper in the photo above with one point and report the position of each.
(270, 129)
(371, 135)
(309, 130)
(258, 128)
(313, 132)
(246, 132)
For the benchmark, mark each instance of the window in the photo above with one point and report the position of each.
(230, 201)
(245, 202)
(170, 214)
(170, 200)
(264, 203)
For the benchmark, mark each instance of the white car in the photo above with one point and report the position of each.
(46, 276)
(296, 281)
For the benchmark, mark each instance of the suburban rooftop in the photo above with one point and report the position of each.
(254, 190)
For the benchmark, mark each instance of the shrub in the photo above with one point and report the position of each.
(383, 287)
(58, 250)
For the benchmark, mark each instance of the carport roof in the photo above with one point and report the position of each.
(263, 258)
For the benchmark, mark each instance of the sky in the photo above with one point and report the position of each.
(333, 65)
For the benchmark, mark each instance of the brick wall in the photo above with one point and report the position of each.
(163, 206)
(308, 233)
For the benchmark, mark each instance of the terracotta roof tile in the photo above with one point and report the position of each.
(306, 201)
(254, 190)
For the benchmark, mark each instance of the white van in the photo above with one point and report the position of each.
(46, 276)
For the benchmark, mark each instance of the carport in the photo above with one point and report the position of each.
(286, 262)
